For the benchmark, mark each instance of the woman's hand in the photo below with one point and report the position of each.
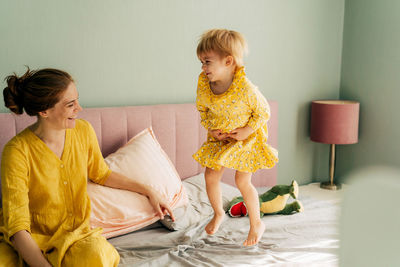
(218, 134)
(241, 133)
(160, 205)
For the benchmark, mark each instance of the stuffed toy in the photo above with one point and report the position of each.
(271, 202)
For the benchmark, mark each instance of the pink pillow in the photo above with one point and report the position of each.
(142, 159)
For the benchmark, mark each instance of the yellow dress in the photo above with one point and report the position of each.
(47, 196)
(242, 104)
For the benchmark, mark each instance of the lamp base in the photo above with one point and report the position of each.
(331, 186)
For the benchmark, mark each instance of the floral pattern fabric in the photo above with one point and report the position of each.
(242, 104)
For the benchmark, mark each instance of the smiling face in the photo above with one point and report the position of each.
(65, 111)
(216, 67)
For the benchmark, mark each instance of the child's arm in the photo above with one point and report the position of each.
(203, 114)
(201, 106)
(216, 133)
(203, 110)
(259, 115)
(260, 107)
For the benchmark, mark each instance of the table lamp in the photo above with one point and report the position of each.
(334, 122)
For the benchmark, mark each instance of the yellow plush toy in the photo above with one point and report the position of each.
(274, 201)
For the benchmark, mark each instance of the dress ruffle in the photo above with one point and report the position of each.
(248, 155)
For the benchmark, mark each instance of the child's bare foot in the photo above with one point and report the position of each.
(213, 225)
(255, 233)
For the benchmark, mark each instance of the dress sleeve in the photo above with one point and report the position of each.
(98, 171)
(201, 105)
(203, 114)
(260, 109)
(15, 189)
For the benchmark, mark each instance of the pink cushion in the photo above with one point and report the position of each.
(141, 159)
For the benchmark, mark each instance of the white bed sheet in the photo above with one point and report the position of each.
(309, 238)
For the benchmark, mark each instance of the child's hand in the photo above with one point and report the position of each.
(218, 134)
(241, 133)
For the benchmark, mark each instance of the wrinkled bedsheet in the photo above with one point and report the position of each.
(309, 238)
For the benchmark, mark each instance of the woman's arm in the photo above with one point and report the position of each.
(14, 183)
(98, 169)
(117, 180)
(28, 249)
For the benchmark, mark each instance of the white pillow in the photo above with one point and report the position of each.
(141, 159)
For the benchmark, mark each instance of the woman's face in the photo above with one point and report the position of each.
(64, 113)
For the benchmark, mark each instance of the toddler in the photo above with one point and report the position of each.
(235, 114)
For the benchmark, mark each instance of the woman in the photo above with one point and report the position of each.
(44, 219)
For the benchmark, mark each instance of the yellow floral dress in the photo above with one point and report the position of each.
(242, 104)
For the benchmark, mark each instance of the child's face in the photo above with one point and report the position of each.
(216, 67)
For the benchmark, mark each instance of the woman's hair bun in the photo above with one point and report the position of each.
(35, 91)
(14, 92)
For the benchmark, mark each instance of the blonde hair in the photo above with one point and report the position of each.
(223, 42)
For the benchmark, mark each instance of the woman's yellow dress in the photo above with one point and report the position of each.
(242, 104)
(47, 197)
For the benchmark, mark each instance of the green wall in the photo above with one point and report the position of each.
(133, 52)
(370, 74)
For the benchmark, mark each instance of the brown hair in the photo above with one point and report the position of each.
(223, 42)
(35, 91)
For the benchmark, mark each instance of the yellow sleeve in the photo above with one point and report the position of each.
(98, 170)
(203, 114)
(260, 109)
(201, 105)
(15, 189)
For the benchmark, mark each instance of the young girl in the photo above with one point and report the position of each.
(235, 114)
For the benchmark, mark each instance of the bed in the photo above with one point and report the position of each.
(309, 238)
(303, 239)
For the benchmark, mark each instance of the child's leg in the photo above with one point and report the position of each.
(250, 196)
(213, 178)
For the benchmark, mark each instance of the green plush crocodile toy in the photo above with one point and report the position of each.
(274, 201)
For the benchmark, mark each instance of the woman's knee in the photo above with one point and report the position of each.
(92, 251)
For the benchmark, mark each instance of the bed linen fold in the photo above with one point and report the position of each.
(309, 238)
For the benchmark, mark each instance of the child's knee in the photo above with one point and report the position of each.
(213, 175)
(242, 184)
(243, 179)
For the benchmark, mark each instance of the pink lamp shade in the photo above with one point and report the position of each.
(334, 121)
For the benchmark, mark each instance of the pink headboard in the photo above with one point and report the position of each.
(176, 126)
